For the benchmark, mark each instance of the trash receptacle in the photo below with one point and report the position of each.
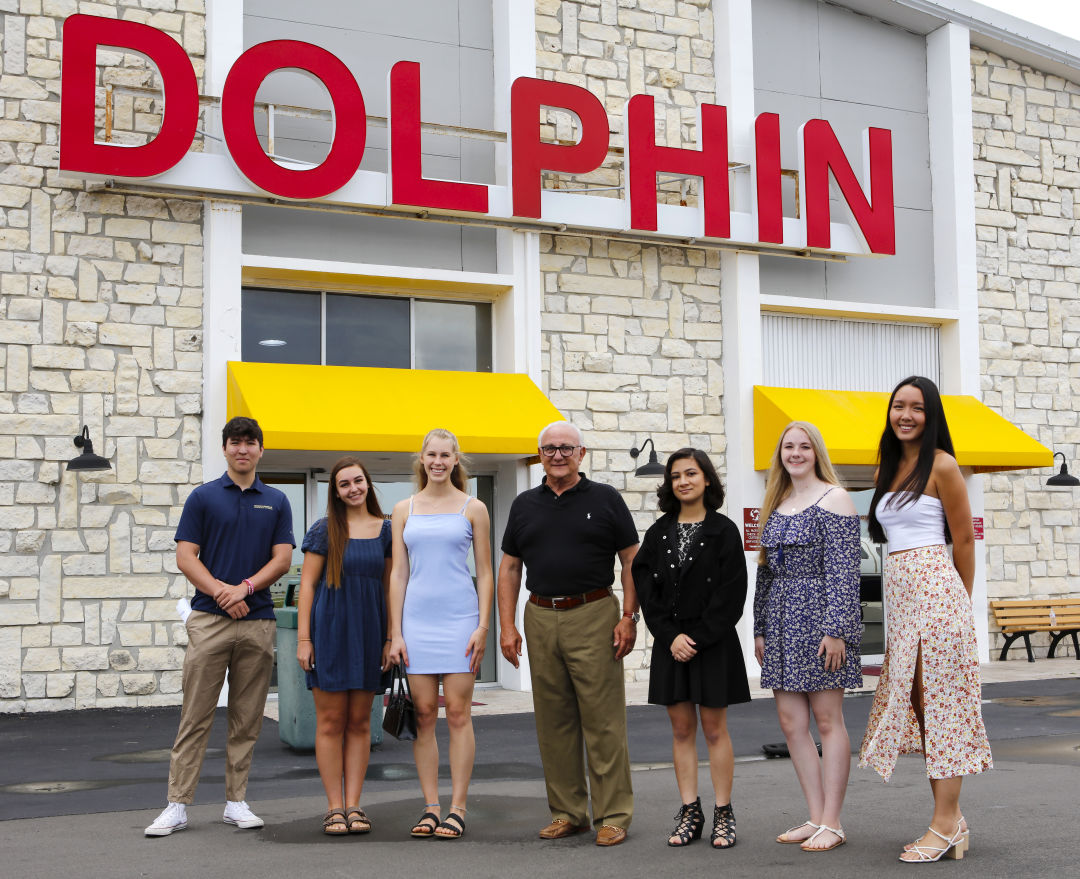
(296, 706)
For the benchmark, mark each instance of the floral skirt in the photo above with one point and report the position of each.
(928, 609)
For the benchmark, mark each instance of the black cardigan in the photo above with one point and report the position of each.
(705, 599)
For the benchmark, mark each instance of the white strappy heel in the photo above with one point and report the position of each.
(928, 854)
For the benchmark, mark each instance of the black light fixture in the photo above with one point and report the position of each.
(87, 460)
(654, 467)
(1063, 478)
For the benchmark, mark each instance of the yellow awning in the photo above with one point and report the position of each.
(851, 423)
(349, 408)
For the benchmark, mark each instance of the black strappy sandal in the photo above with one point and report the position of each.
(723, 827)
(690, 822)
(425, 831)
(452, 831)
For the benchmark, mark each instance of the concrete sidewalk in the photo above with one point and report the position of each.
(77, 789)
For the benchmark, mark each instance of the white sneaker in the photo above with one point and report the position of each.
(172, 819)
(240, 815)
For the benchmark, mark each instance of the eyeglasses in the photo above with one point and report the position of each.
(565, 451)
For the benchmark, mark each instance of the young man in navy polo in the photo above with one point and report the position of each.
(234, 540)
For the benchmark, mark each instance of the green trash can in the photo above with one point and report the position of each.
(296, 705)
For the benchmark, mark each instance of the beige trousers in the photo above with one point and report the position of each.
(245, 648)
(580, 706)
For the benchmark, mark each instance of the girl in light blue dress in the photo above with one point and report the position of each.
(438, 618)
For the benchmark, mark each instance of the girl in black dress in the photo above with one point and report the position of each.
(690, 575)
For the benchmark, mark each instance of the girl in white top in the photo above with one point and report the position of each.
(928, 698)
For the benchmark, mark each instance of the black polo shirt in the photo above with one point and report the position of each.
(568, 542)
(236, 531)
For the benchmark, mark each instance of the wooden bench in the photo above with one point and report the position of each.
(1019, 618)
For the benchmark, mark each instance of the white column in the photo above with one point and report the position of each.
(221, 322)
(952, 172)
(221, 243)
(740, 290)
(517, 313)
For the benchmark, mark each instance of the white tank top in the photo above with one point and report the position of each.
(915, 524)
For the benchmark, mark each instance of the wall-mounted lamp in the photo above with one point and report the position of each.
(87, 460)
(654, 467)
(1063, 477)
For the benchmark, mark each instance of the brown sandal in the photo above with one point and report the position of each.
(333, 820)
(358, 820)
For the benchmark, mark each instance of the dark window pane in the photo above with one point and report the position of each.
(280, 326)
(367, 331)
(452, 335)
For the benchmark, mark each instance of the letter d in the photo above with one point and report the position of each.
(78, 149)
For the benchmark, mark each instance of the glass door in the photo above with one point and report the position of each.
(285, 590)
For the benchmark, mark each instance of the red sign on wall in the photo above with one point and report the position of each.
(751, 529)
(977, 524)
(821, 159)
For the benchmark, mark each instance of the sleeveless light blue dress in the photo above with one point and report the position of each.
(441, 607)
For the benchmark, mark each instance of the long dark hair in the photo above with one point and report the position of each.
(935, 436)
(714, 491)
(337, 527)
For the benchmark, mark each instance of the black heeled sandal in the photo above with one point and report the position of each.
(723, 827)
(690, 822)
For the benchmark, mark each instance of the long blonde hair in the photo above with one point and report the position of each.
(778, 483)
(459, 476)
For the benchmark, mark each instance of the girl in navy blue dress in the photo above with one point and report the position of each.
(807, 626)
(342, 633)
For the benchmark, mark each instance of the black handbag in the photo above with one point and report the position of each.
(399, 718)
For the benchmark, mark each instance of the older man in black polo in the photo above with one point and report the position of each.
(567, 532)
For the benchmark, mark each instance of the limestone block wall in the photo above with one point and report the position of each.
(100, 325)
(1027, 176)
(631, 333)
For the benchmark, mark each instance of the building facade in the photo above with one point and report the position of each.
(150, 308)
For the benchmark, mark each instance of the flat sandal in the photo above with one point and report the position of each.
(332, 819)
(783, 840)
(357, 820)
(425, 831)
(452, 831)
(838, 832)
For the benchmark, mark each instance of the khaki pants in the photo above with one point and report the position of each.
(215, 644)
(580, 705)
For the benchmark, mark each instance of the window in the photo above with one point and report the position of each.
(343, 329)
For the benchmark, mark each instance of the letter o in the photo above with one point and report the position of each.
(238, 119)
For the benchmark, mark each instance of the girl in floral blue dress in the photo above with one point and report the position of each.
(807, 626)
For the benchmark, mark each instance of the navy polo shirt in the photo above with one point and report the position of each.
(568, 542)
(236, 530)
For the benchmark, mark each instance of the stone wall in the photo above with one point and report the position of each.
(100, 325)
(1027, 177)
(631, 333)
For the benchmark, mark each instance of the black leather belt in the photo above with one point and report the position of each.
(565, 602)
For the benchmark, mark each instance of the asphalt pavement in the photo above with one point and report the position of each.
(77, 789)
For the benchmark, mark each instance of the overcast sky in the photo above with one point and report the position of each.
(1062, 16)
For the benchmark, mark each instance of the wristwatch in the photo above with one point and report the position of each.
(634, 617)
